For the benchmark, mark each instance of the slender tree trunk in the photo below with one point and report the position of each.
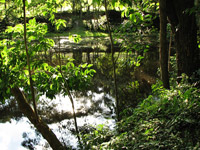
(25, 107)
(28, 63)
(170, 48)
(113, 61)
(69, 95)
(73, 7)
(163, 45)
(38, 123)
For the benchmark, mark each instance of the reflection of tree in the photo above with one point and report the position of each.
(9, 111)
(29, 142)
(88, 60)
(77, 55)
(134, 82)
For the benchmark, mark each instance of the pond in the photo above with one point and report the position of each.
(93, 106)
(12, 132)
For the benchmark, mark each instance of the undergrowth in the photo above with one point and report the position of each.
(167, 119)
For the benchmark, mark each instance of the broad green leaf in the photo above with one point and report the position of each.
(8, 90)
(44, 13)
(32, 21)
(26, 3)
(84, 65)
(18, 28)
(133, 17)
(9, 29)
(76, 72)
(139, 15)
(19, 2)
(31, 38)
(45, 66)
(51, 86)
(90, 65)
(2, 1)
(28, 82)
(122, 14)
(70, 64)
(3, 54)
(126, 12)
(26, 72)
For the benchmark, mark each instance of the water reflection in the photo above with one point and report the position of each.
(91, 110)
(93, 106)
(12, 132)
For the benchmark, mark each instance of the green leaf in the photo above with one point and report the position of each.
(76, 72)
(122, 14)
(26, 3)
(9, 29)
(126, 12)
(44, 13)
(84, 65)
(32, 21)
(133, 17)
(26, 72)
(139, 15)
(8, 91)
(19, 2)
(90, 65)
(90, 2)
(2, 1)
(51, 86)
(31, 38)
(45, 66)
(18, 28)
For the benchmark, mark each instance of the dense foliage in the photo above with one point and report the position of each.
(167, 119)
(47, 79)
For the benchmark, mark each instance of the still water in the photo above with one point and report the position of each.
(94, 107)
(13, 133)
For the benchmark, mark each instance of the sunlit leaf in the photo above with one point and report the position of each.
(32, 21)
(2, 1)
(51, 86)
(26, 72)
(9, 29)
(122, 14)
(76, 72)
(84, 65)
(133, 17)
(90, 65)
(45, 66)
(26, 3)
(90, 2)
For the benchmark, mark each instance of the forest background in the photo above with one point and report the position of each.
(165, 116)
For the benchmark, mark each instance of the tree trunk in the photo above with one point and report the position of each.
(42, 127)
(185, 31)
(113, 61)
(163, 45)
